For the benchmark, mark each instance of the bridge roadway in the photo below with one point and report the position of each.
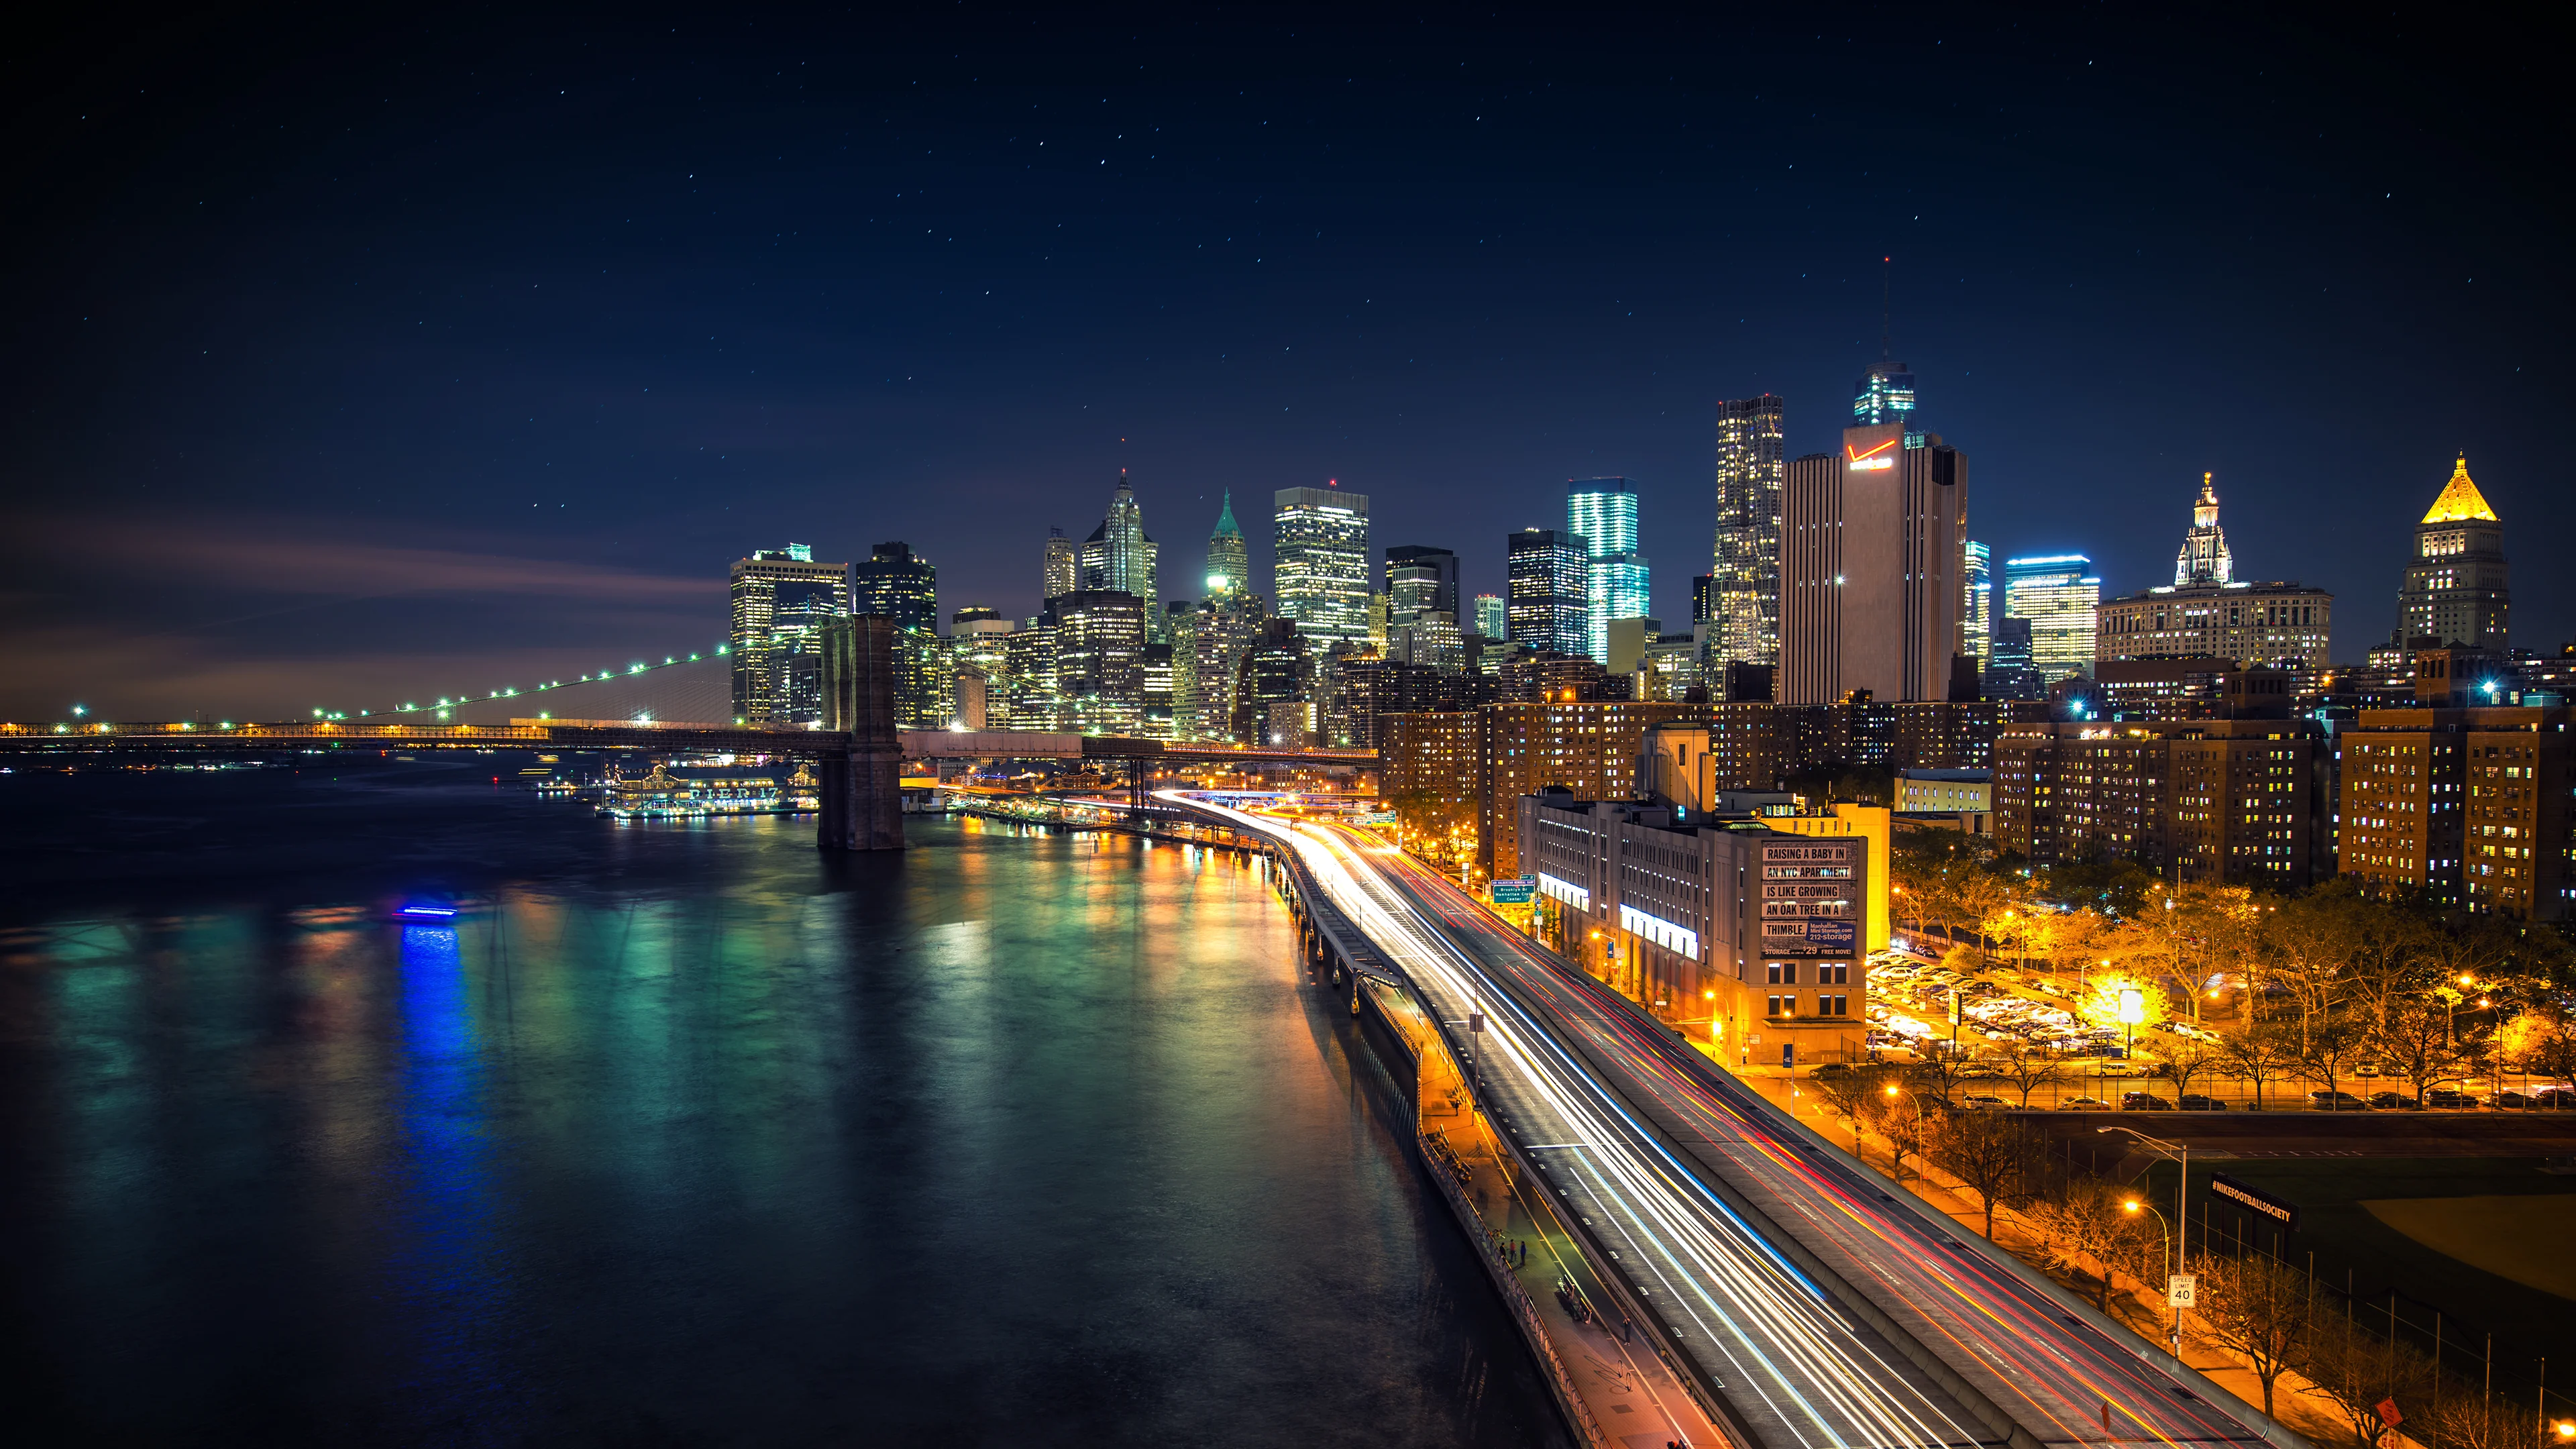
(676, 736)
(1821, 1310)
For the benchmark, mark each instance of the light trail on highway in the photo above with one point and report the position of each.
(1637, 1124)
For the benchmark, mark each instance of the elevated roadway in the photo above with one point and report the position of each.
(1815, 1307)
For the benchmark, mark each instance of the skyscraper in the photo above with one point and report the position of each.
(1751, 462)
(2059, 595)
(1229, 561)
(1493, 617)
(2204, 558)
(1976, 606)
(1444, 561)
(1884, 396)
(1063, 568)
(2008, 673)
(1603, 512)
(894, 581)
(1099, 661)
(1550, 578)
(1320, 566)
(780, 599)
(1118, 558)
(1870, 590)
(2455, 589)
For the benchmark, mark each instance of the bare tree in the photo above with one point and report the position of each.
(1857, 1096)
(2258, 1052)
(2355, 1373)
(2086, 1233)
(1936, 1078)
(1994, 1157)
(2028, 1066)
(2256, 1308)
(2191, 1057)
(2331, 1044)
(2483, 1421)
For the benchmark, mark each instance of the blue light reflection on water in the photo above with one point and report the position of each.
(447, 1266)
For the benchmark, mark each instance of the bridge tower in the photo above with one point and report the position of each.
(862, 797)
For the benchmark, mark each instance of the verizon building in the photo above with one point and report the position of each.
(1871, 568)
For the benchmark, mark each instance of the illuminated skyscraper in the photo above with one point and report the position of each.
(1118, 558)
(781, 598)
(2455, 587)
(1751, 463)
(1603, 512)
(1320, 565)
(1229, 561)
(1493, 618)
(1976, 606)
(892, 580)
(2059, 595)
(1063, 567)
(1443, 561)
(1870, 589)
(2204, 558)
(1099, 661)
(1550, 577)
(1884, 395)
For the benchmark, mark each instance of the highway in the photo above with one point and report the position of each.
(1647, 1141)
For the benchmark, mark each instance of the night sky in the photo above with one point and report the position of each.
(351, 358)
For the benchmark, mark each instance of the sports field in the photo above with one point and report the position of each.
(2524, 1238)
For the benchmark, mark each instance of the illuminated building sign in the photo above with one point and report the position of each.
(1872, 460)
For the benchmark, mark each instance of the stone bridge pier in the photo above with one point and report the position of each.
(862, 785)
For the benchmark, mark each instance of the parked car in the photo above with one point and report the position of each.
(2449, 1097)
(2336, 1102)
(2554, 1099)
(2510, 1098)
(2083, 1104)
(2195, 1102)
(2397, 1100)
(2144, 1102)
(1831, 1069)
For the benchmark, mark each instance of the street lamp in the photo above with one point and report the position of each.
(2180, 1227)
(2133, 1009)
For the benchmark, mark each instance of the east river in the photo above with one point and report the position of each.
(685, 1134)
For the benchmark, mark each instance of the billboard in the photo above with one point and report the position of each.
(1832, 935)
(1515, 892)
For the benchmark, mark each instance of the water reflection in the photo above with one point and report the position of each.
(695, 1136)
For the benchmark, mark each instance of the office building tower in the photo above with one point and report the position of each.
(1870, 586)
(979, 652)
(1703, 597)
(1099, 661)
(2469, 806)
(1412, 590)
(1751, 466)
(1549, 575)
(1884, 397)
(2009, 673)
(1444, 566)
(1119, 558)
(1273, 683)
(1977, 603)
(1063, 566)
(1493, 617)
(1603, 512)
(1320, 566)
(1230, 627)
(2455, 590)
(2204, 558)
(903, 586)
(2060, 596)
(1028, 693)
(1229, 560)
(780, 598)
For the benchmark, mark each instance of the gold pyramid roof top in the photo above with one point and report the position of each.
(2461, 499)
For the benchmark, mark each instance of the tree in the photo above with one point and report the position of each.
(2256, 1308)
(1993, 1157)
(2191, 1057)
(1857, 1096)
(2414, 1035)
(2483, 1421)
(2085, 1233)
(2258, 1052)
(2354, 1372)
(2329, 1049)
(2027, 1065)
(1936, 1078)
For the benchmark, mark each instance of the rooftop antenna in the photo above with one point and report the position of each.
(1886, 289)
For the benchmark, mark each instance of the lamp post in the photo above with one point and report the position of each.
(2177, 1230)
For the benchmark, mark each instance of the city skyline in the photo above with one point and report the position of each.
(537, 323)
